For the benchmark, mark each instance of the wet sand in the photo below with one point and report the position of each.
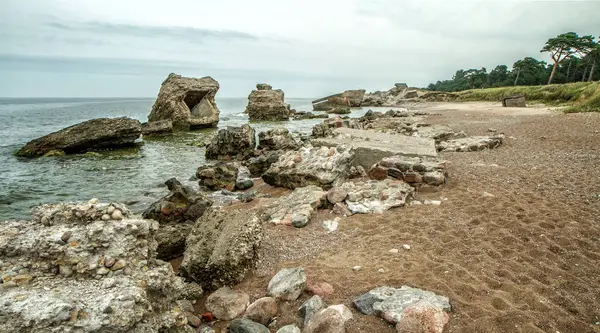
(525, 260)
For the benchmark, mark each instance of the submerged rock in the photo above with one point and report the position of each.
(267, 104)
(187, 102)
(221, 248)
(324, 167)
(232, 142)
(91, 135)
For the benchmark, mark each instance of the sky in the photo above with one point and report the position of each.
(308, 48)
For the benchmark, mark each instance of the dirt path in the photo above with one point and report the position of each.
(525, 260)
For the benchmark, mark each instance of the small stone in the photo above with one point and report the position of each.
(492, 130)
(432, 202)
(262, 310)
(378, 173)
(105, 217)
(326, 321)
(102, 271)
(413, 177)
(487, 195)
(341, 209)
(356, 268)
(343, 310)
(192, 319)
(246, 326)
(310, 307)
(21, 279)
(416, 203)
(289, 329)
(110, 209)
(109, 262)
(109, 283)
(204, 328)
(394, 251)
(117, 215)
(108, 309)
(406, 246)
(94, 201)
(185, 305)
(299, 220)
(336, 194)
(65, 270)
(322, 289)
(381, 270)
(288, 284)
(66, 236)
(227, 304)
(118, 265)
(330, 225)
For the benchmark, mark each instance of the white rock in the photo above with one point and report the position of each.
(356, 268)
(406, 246)
(487, 195)
(330, 225)
(433, 202)
(288, 284)
(381, 270)
(394, 251)
(117, 215)
(105, 217)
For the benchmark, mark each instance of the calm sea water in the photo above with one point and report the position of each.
(135, 176)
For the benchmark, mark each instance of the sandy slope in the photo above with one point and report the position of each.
(525, 260)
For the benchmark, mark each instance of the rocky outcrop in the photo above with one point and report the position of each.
(277, 139)
(296, 208)
(267, 104)
(411, 309)
(176, 213)
(324, 167)
(92, 135)
(69, 270)
(188, 102)
(222, 247)
(157, 128)
(232, 143)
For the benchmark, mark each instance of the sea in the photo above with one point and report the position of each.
(133, 176)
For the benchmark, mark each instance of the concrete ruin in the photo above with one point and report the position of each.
(349, 98)
(514, 101)
(265, 103)
(188, 102)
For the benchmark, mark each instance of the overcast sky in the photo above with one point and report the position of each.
(309, 48)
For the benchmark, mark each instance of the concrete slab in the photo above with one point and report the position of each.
(371, 147)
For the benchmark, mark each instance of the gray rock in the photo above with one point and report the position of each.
(262, 310)
(376, 197)
(310, 307)
(515, 101)
(218, 176)
(187, 102)
(260, 164)
(393, 304)
(227, 304)
(299, 220)
(326, 321)
(324, 167)
(289, 329)
(243, 185)
(287, 284)
(267, 104)
(222, 247)
(232, 142)
(336, 194)
(473, 143)
(91, 135)
(343, 310)
(413, 170)
(246, 326)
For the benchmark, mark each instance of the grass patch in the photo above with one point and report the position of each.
(579, 97)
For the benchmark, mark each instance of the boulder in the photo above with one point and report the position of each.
(343, 310)
(277, 139)
(324, 167)
(515, 101)
(176, 213)
(354, 98)
(472, 143)
(157, 128)
(267, 104)
(72, 271)
(417, 171)
(310, 307)
(423, 310)
(188, 102)
(232, 142)
(92, 135)
(246, 326)
(227, 304)
(336, 194)
(262, 310)
(339, 110)
(438, 133)
(287, 284)
(222, 247)
(300, 204)
(326, 321)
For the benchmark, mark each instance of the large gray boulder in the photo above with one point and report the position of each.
(267, 104)
(287, 284)
(92, 135)
(222, 247)
(324, 167)
(232, 142)
(71, 270)
(176, 212)
(188, 102)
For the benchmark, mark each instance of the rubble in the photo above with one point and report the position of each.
(232, 143)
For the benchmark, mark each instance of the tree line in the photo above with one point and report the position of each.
(574, 59)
